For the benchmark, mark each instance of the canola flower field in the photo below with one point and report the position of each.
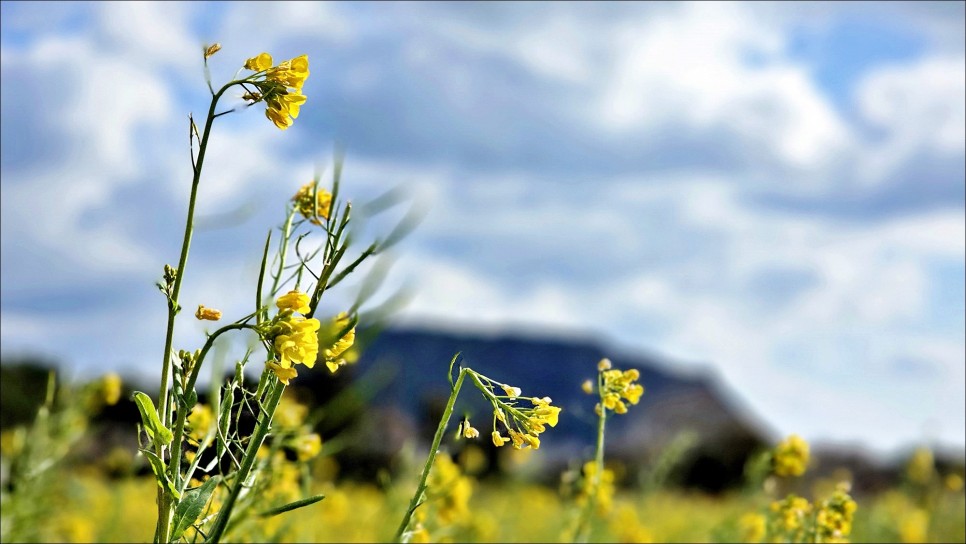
(67, 499)
(246, 464)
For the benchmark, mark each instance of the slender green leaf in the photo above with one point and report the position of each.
(157, 466)
(192, 504)
(291, 506)
(149, 417)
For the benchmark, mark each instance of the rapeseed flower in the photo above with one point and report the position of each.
(313, 208)
(200, 421)
(284, 374)
(790, 516)
(295, 301)
(280, 87)
(297, 342)
(308, 446)
(333, 354)
(110, 389)
(207, 314)
(617, 386)
(752, 527)
(791, 456)
(833, 521)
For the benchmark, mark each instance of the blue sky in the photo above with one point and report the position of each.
(772, 191)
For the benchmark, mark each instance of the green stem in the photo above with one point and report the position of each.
(583, 526)
(165, 506)
(264, 425)
(421, 488)
(182, 410)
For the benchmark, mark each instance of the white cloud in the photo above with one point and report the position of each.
(920, 107)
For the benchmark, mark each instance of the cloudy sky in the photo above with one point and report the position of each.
(771, 191)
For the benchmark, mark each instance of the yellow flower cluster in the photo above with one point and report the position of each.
(616, 386)
(524, 424)
(342, 337)
(200, 421)
(307, 446)
(790, 457)
(752, 527)
(790, 517)
(280, 87)
(313, 208)
(833, 521)
(604, 499)
(294, 337)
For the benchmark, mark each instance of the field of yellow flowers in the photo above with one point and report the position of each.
(55, 492)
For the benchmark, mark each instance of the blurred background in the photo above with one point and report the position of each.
(761, 205)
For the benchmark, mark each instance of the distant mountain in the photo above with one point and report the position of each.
(549, 366)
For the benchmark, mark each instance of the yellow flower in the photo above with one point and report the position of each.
(833, 521)
(498, 439)
(111, 389)
(619, 386)
(587, 387)
(470, 432)
(209, 314)
(291, 73)
(290, 413)
(200, 420)
(511, 391)
(308, 446)
(604, 364)
(339, 346)
(280, 87)
(298, 341)
(516, 438)
(260, 63)
(309, 210)
(752, 527)
(295, 301)
(345, 342)
(791, 456)
(544, 412)
(283, 107)
(284, 374)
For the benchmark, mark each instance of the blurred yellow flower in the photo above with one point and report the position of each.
(308, 446)
(290, 413)
(321, 207)
(752, 527)
(791, 456)
(332, 354)
(200, 421)
(111, 388)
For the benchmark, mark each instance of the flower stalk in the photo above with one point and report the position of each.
(434, 449)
